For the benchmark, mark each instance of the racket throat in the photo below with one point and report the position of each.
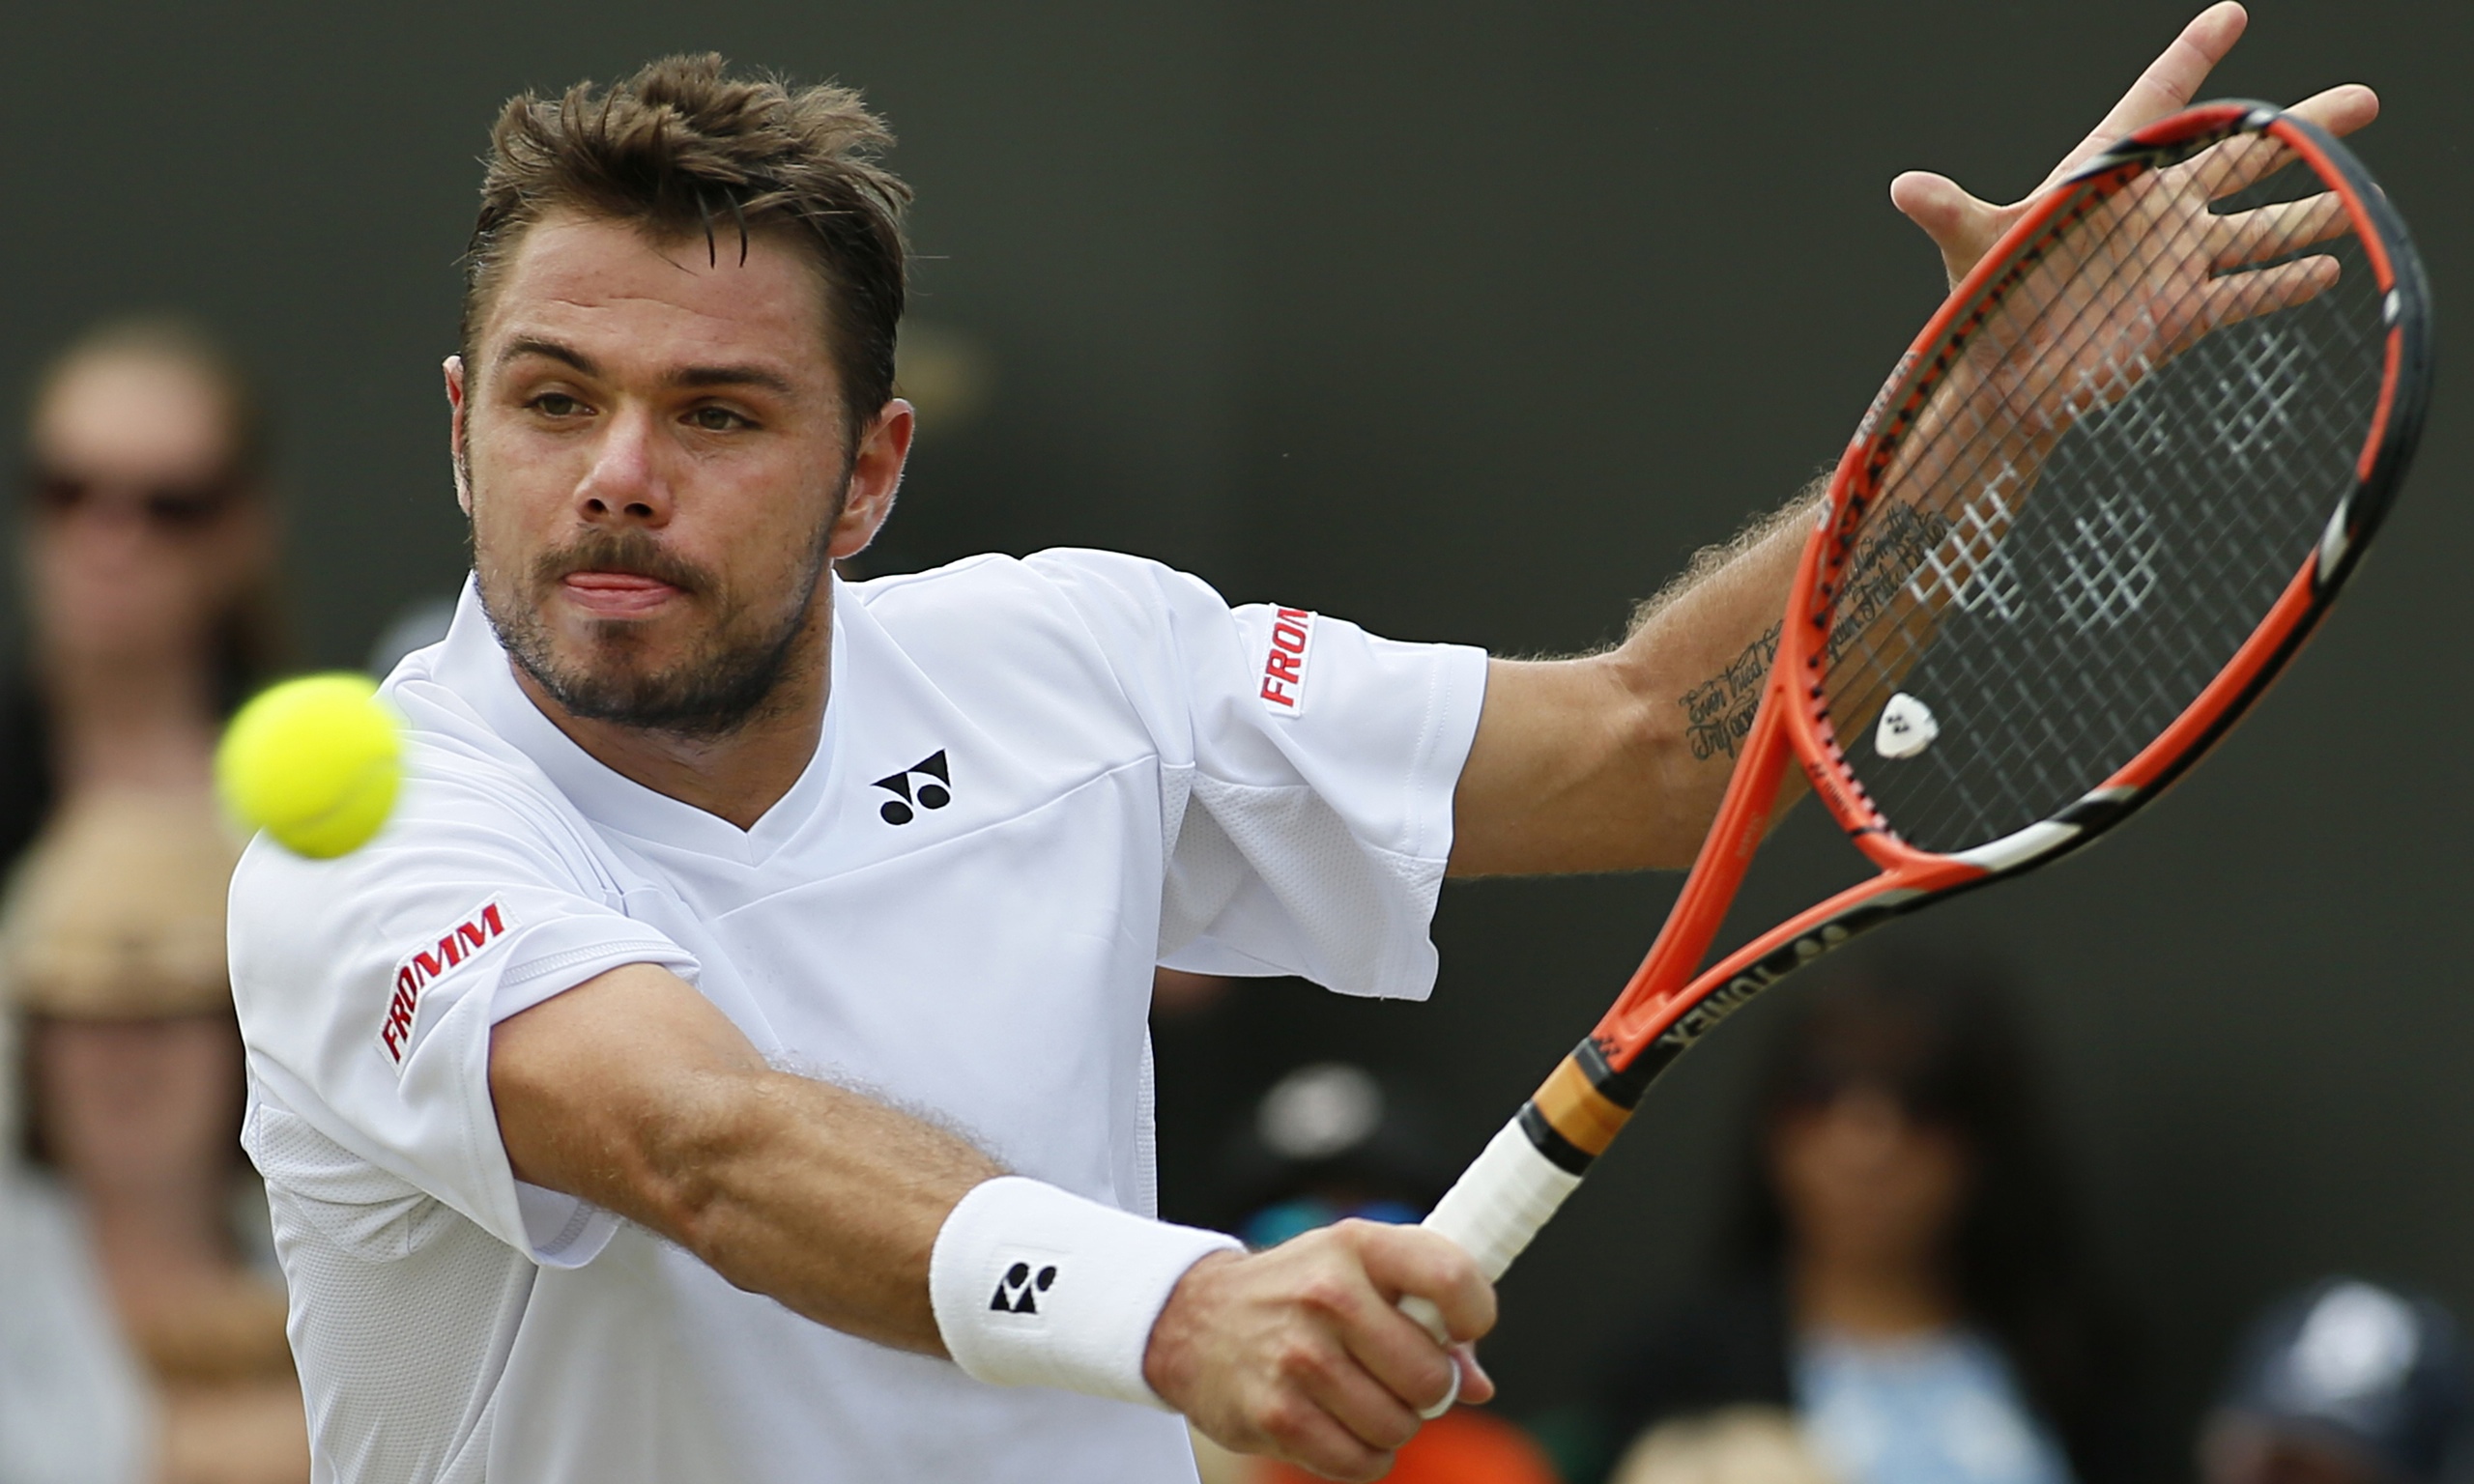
(1652, 1000)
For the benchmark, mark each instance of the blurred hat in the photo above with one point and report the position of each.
(117, 911)
(1327, 1140)
(2348, 1363)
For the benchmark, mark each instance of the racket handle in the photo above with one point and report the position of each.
(1504, 1198)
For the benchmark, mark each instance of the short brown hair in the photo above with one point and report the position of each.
(683, 145)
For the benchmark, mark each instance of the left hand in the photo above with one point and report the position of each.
(1963, 227)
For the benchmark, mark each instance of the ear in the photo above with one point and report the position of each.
(453, 366)
(876, 475)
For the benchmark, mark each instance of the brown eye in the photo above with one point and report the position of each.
(557, 404)
(716, 419)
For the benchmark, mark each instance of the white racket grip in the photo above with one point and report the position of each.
(1504, 1198)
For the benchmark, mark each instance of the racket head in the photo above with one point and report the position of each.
(2072, 584)
(2110, 490)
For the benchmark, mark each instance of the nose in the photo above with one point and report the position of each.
(627, 482)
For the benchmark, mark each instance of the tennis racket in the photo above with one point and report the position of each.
(2096, 508)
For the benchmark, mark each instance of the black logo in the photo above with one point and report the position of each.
(1018, 1292)
(934, 791)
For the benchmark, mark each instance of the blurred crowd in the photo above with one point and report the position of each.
(1901, 1295)
(142, 1328)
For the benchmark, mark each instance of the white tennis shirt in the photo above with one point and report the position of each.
(1037, 780)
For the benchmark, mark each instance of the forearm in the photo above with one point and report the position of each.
(816, 1196)
(1616, 761)
(634, 1093)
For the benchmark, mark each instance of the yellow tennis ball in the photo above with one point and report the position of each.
(313, 762)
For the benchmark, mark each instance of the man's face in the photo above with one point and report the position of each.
(654, 460)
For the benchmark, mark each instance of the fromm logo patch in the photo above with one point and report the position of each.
(1284, 687)
(424, 966)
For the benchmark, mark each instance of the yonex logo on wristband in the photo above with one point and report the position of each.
(1017, 1291)
(1284, 687)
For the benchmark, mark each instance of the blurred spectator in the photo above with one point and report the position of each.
(148, 554)
(2343, 1383)
(1331, 1141)
(1901, 1274)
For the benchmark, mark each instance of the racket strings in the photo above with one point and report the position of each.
(2134, 451)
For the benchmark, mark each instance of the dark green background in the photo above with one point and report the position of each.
(1468, 322)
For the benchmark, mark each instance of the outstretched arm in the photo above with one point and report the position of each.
(1617, 761)
(633, 1091)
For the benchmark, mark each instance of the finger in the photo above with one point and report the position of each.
(1476, 1388)
(1369, 1407)
(2341, 109)
(1298, 1429)
(1961, 226)
(2239, 297)
(1412, 1260)
(2273, 231)
(2231, 166)
(2169, 84)
(1398, 1352)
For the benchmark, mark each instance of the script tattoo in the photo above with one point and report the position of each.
(1718, 712)
(1887, 553)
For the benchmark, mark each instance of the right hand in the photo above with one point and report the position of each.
(1301, 1352)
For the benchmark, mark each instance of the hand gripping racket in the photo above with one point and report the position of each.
(2099, 504)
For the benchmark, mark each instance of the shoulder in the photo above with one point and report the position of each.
(1093, 588)
(1099, 624)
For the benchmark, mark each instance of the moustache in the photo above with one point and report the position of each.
(629, 551)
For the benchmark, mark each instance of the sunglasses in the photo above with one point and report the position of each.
(1926, 1101)
(171, 509)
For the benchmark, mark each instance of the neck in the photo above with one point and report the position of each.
(1870, 1295)
(738, 774)
(137, 721)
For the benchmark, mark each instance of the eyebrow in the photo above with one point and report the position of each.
(684, 376)
(732, 376)
(550, 350)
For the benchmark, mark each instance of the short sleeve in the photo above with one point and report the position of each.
(367, 988)
(1306, 773)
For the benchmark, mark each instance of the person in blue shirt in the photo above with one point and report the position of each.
(1901, 1277)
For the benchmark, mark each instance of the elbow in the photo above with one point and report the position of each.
(678, 1169)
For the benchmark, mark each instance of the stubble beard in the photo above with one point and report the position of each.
(733, 674)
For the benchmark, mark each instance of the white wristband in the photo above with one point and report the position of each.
(1034, 1285)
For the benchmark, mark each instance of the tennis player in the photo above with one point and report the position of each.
(731, 1062)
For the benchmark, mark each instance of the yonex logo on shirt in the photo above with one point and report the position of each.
(936, 788)
(1284, 687)
(486, 925)
(1017, 1291)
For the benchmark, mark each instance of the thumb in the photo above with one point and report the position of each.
(1961, 226)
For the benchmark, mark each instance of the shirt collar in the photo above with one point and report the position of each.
(475, 666)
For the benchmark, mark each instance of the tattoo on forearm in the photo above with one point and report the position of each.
(1888, 558)
(1718, 711)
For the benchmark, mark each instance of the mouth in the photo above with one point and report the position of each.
(618, 594)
